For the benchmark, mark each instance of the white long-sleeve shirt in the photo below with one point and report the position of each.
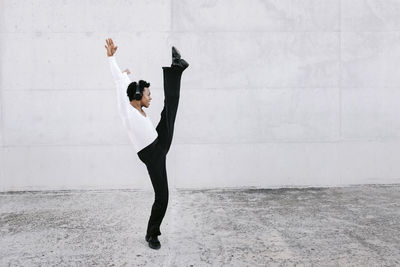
(141, 130)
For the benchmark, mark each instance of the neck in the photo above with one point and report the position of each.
(136, 104)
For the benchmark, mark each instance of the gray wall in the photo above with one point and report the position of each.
(278, 93)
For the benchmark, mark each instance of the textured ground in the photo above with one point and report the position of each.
(353, 226)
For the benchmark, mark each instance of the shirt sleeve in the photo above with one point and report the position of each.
(115, 70)
(121, 81)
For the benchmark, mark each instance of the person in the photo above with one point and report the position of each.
(151, 144)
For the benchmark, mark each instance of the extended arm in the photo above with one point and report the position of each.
(121, 81)
(115, 70)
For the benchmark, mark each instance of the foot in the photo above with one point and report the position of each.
(154, 243)
(182, 64)
(177, 61)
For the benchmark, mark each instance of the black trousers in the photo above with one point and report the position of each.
(154, 155)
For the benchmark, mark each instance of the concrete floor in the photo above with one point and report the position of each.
(352, 226)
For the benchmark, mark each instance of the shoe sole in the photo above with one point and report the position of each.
(154, 247)
(175, 54)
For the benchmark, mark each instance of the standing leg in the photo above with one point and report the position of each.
(172, 84)
(158, 176)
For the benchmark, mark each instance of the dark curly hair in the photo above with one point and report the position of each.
(132, 88)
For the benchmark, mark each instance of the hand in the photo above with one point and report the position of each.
(111, 49)
(127, 71)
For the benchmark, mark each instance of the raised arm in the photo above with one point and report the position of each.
(121, 81)
(115, 70)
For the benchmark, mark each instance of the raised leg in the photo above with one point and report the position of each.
(172, 84)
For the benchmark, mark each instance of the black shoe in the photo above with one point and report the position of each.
(177, 61)
(147, 237)
(182, 64)
(154, 243)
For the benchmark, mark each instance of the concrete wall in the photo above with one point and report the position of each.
(278, 93)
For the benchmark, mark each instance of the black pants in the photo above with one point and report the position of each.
(154, 155)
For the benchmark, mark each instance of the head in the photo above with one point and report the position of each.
(144, 89)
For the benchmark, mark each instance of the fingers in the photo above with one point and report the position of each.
(110, 44)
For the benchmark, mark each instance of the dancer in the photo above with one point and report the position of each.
(151, 144)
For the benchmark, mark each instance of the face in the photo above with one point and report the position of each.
(146, 98)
